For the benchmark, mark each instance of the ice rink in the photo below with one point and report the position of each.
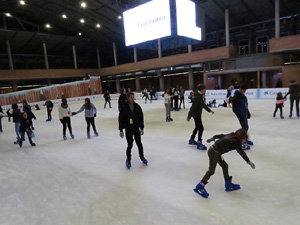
(85, 181)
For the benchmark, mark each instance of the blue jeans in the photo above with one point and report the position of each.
(17, 129)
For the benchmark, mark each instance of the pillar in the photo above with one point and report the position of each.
(159, 48)
(220, 81)
(10, 60)
(190, 49)
(118, 85)
(115, 53)
(98, 59)
(45, 56)
(277, 18)
(227, 27)
(258, 79)
(204, 78)
(191, 79)
(264, 79)
(161, 81)
(137, 83)
(74, 57)
(135, 55)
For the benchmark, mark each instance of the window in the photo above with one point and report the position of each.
(262, 44)
(244, 47)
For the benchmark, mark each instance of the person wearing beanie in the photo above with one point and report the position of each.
(196, 113)
(64, 113)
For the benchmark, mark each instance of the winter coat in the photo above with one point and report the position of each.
(131, 120)
(197, 106)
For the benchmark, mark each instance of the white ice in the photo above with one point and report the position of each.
(85, 181)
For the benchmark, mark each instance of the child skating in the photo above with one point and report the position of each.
(25, 128)
(224, 144)
(279, 104)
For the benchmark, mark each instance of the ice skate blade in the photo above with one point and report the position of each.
(232, 189)
(204, 196)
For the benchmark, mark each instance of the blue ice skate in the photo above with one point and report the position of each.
(88, 135)
(192, 141)
(33, 144)
(274, 115)
(65, 137)
(128, 164)
(282, 117)
(248, 142)
(145, 161)
(200, 190)
(200, 146)
(96, 133)
(246, 147)
(72, 136)
(230, 186)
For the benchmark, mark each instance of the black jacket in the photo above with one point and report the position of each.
(106, 96)
(16, 114)
(197, 106)
(122, 100)
(25, 124)
(240, 105)
(49, 104)
(129, 120)
(27, 109)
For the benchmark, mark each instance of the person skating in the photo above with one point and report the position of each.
(16, 115)
(196, 113)
(240, 109)
(167, 97)
(30, 115)
(181, 95)
(49, 106)
(224, 144)
(132, 120)
(279, 104)
(107, 99)
(294, 90)
(122, 99)
(25, 127)
(90, 114)
(64, 114)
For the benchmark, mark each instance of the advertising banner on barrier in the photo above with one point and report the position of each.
(271, 93)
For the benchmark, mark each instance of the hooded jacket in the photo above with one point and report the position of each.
(198, 105)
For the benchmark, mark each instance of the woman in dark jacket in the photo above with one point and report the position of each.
(15, 114)
(294, 97)
(30, 115)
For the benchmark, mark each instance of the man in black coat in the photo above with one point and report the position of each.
(132, 120)
(122, 99)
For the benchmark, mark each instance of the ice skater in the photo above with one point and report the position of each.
(107, 99)
(212, 103)
(49, 106)
(167, 97)
(181, 95)
(196, 113)
(131, 119)
(294, 90)
(240, 109)
(224, 144)
(16, 115)
(30, 115)
(122, 99)
(1, 116)
(227, 102)
(146, 96)
(25, 127)
(279, 104)
(90, 114)
(64, 114)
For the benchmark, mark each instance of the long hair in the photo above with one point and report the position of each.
(88, 104)
(239, 135)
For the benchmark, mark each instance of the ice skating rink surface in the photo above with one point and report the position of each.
(85, 181)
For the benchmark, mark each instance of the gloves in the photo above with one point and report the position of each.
(142, 132)
(74, 113)
(210, 140)
(61, 120)
(121, 134)
(95, 115)
(251, 164)
(249, 115)
(188, 119)
(212, 112)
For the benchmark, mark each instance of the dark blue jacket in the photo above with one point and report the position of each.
(240, 105)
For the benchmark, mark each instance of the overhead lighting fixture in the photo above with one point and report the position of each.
(48, 25)
(64, 16)
(79, 34)
(119, 17)
(98, 25)
(83, 4)
(8, 14)
(82, 21)
(22, 2)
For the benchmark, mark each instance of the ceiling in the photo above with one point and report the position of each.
(26, 28)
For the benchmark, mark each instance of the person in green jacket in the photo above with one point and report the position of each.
(196, 113)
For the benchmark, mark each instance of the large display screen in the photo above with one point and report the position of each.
(186, 19)
(147, 22)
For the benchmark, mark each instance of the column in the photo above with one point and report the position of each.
(74, 57)
(277, 18)
(264, 79)
(46, 56)
(115, 53)
(204, 78)
(135, 55)
(98, 59)
(159, 48)
(118, 85)
(190, 49)
(161, 81)
(258, 79)
(137, 83)
(191, 79)
(227, 26)
(10, 61)
(220, 81)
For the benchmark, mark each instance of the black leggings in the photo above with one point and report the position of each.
(292, 100)
(67, 123)
(198, 128)
(278, 107)
(137, 137)
(28, 132)
(90, 121)
(181, 101)
(214, 158)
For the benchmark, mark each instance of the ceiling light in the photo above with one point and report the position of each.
(98, 25)
(8, 14)
(83, 4)
(48, 25)
(79, 34)
(119, 17)
(82, 21)
(22, 2)
(64, 16)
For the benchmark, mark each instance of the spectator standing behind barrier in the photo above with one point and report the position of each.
(279, 83)
(294, 90)
(107, 99)
(49, 106)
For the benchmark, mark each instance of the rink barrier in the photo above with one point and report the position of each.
(264, 93)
